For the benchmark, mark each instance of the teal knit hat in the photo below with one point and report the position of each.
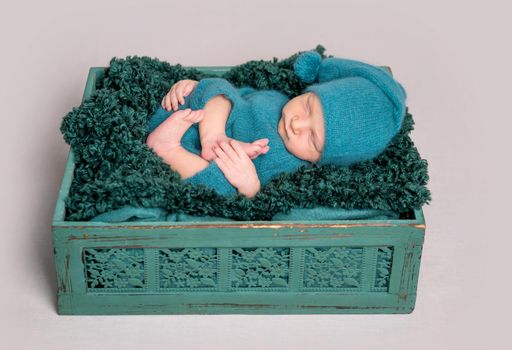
(363, 106)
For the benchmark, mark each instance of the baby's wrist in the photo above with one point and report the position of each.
(211, 137)
(251, 190)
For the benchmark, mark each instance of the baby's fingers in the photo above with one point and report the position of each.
(184, 89)
(166, 102)
(229, 150)
(189, 87)
(223, 156)
(238, 149)
(179, 92)
(222, 166)
(173, 98)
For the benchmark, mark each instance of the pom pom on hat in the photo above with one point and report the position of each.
(307, 65)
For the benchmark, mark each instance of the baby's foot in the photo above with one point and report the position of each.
(168, 134)
(254, 149)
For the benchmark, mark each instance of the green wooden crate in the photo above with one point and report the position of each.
(249, 267)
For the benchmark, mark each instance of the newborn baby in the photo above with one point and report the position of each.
(349, 115)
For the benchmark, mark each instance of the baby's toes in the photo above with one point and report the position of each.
(179, 121)
(250, 149)
(261, 142)
(194, 116)
(260, 151)
(180, 115)
(200, 115)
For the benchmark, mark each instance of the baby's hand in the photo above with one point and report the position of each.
(253, 150)
(177, 93)
(238, 169)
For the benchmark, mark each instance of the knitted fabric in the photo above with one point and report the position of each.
(363, 106)
(254, 115)
(115, 168)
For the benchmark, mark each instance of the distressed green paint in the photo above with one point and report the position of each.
(252, 267)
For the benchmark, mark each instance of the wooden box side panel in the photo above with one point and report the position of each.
(286, 270)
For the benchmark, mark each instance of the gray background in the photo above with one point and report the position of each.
(453, 58)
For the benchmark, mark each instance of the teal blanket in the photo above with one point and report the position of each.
(320, 213)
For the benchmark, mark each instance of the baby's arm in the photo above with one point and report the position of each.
(213, 101)
(232, 171)
(165, 140)
(212, 128)
(216, 114)
(215, 96)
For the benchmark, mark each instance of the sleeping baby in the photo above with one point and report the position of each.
(237, 139)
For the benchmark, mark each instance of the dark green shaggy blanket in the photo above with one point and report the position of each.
(114, 167)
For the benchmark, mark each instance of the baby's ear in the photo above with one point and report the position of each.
(307, 65)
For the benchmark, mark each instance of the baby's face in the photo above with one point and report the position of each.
(302, 127)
